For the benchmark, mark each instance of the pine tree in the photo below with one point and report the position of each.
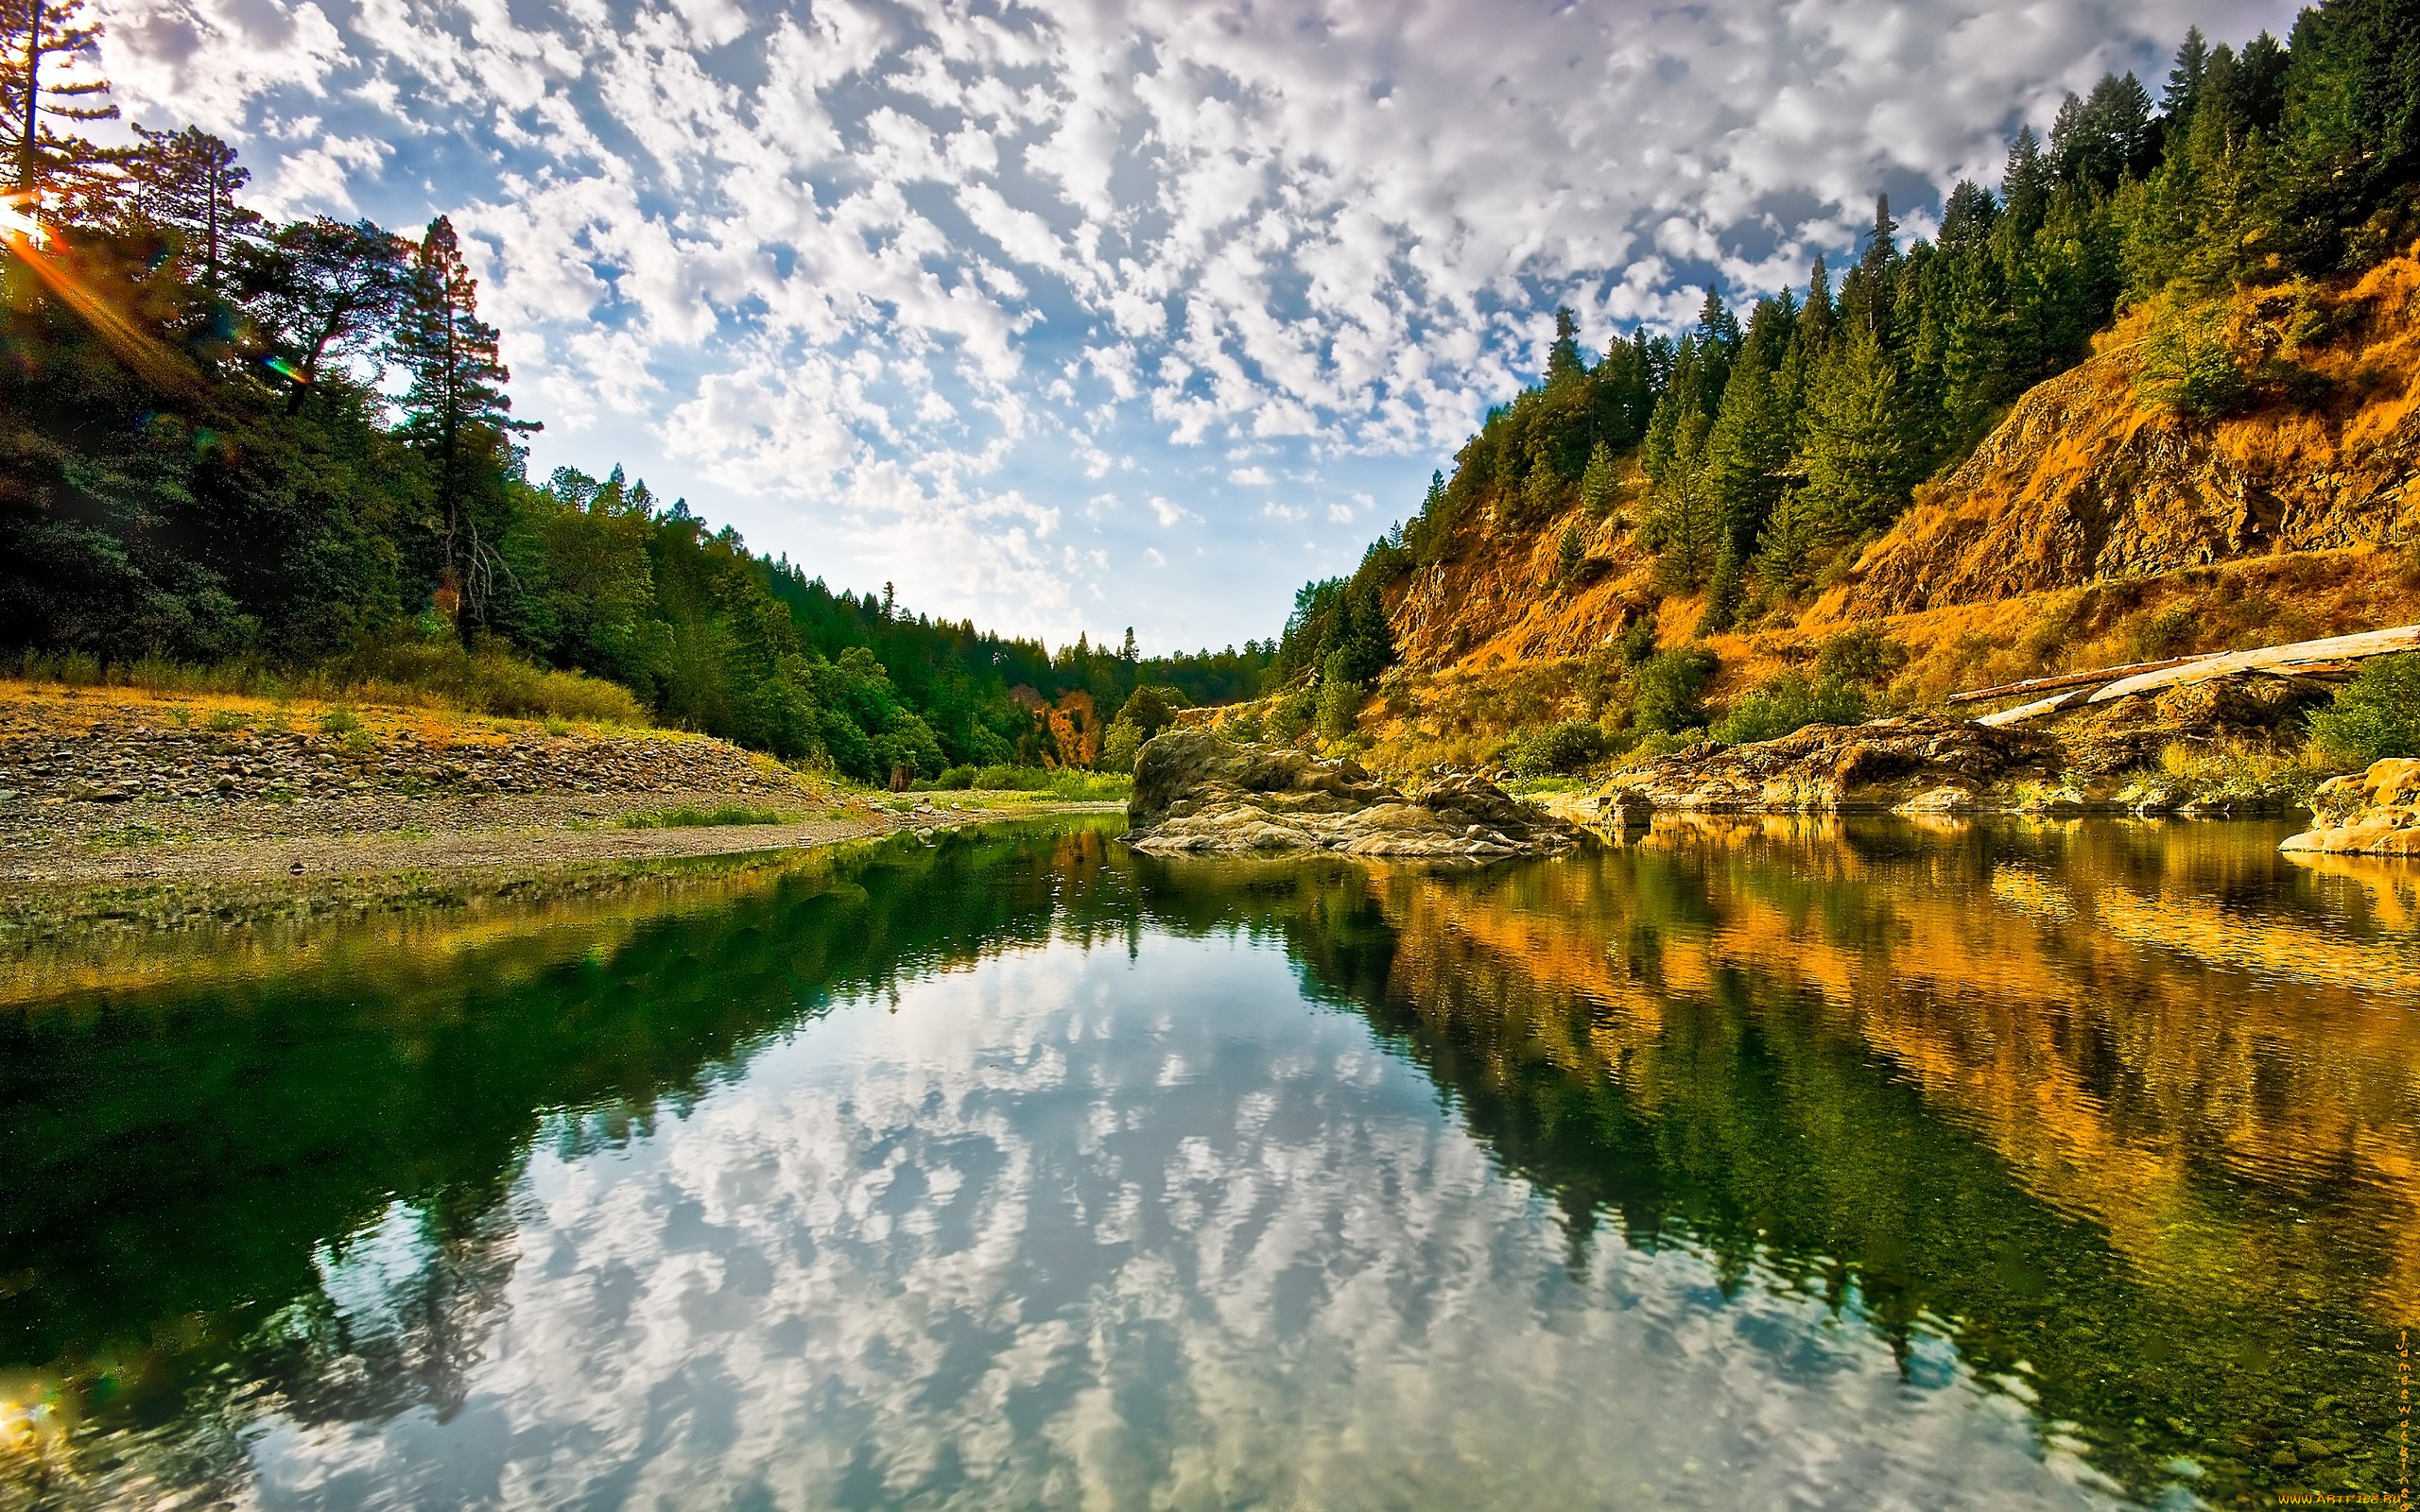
(187, 181)
(1745, 453)
(1562, 359)
(49, 58)
(2184, 79)
(1684, 520)
(457, 411)
(1600, 484)
(1789, 543)
(1858, 459)
(2025, 185)
(328, 291)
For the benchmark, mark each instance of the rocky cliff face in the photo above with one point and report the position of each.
(2092, 527)
(2085, 481)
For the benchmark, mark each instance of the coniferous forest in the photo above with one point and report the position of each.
(224, 440)
(1762, 448)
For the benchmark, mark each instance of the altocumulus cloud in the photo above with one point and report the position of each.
(886, 284)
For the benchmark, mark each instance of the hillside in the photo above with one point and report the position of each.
(2093, 523)
(2088, 482)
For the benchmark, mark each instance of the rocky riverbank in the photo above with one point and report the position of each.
(2110, 757)
(1196, 792)
(2374, 814)
(108, 786)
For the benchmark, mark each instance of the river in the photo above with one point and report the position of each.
(1747, 1163)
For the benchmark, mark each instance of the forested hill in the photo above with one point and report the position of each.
(1726, 483)
(200, 462)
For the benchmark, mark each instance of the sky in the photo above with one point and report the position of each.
(1080, 316)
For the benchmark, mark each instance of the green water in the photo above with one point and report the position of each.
(1749, 1164)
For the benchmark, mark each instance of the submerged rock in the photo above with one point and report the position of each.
(1921, 763)
(2376, 814)
(1197, 792)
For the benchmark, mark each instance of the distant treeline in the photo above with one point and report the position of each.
(198, 462)
(1772, 448)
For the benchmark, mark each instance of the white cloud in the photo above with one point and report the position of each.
(815, 254)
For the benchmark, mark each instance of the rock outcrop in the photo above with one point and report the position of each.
(1196, 792)
(2375, 814)
(1923, 762)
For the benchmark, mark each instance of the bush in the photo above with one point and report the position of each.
(1291, 714)
(1555, 750)
(2376, 716)
(1340, 707)
(1862, 657)
(1789, 702)
(957, 779)
(2188, 366)
(1668, 689)
(692, 818)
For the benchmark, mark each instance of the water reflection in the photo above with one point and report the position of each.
(1754, 1161)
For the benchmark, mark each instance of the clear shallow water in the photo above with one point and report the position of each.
(1757, 1164)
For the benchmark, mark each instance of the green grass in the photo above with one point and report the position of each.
(1037, 783)
(695, 818)
(404, 671)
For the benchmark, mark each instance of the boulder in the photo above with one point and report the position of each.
(2376, 814)
(1927, 762)
(1197, 792)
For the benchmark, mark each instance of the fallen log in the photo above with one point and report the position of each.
(2331, 658)
(2074, 679)
(2336, 648)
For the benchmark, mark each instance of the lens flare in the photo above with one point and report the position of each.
(55, 264)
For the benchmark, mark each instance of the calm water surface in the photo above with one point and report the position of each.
(1749, 1164)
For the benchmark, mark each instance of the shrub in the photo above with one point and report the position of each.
(338, 722)
(1863, 657)
(2376, 716)
(1555, 750)
(691, 818)
(1789, 702)
(1340, 707)
(956, 778)
(1291, 714)
(1568, 553)
(2188, 366)
(1668, 689)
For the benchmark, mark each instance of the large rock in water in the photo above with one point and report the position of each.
(2376, 814)
(1197, 792)
(1922, 762)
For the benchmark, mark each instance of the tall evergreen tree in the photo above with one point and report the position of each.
(457, 412)
(1858, 461)
(2184, 79)
(49, 63)
(187, 181)
(1562, 359)
(1599, 484)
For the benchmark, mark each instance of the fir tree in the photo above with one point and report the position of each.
(1600, 484)
(1858, 459)
(457, 411)
(187, 181)
(1562, 359)
(2184, 79)
(2025, 185)
(49, 61)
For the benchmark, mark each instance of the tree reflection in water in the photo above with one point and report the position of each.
(2123, 1115)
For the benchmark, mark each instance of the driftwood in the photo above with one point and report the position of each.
(2072, 680)
(2331, 657)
